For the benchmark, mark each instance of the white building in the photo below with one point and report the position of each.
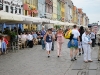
(13, 6)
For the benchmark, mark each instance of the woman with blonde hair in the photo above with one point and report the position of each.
(86, 43)
(60, 41)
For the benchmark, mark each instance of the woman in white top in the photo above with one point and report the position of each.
(86, 43)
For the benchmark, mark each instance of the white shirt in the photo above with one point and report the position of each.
(86, 39)
(23, 37)
(92, 35)
(76, 33)
(29, 37)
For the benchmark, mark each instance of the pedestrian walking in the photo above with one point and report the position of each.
(73, 43)
(43, 32)
(86, 43)
(53, 42)
(93, 39)
(48, 38)
(81, 30)
(60, 41)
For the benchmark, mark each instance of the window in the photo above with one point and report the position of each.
(47, 9)
(7, 9)
(19, 11)
(25, 12)
(16, 10)
(50, 9)
(11, 9)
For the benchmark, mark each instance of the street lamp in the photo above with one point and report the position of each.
(98, 22)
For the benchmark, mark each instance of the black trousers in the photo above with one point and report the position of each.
(30, 44)
(93, 42)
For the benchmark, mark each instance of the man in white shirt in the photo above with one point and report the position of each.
(30, 40)
(76, 39)
(23, 39)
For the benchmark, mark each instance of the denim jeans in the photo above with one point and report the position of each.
(43, 44)
(53, 45)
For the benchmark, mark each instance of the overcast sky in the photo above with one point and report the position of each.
(90, 7)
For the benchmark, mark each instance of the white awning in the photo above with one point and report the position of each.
(46, 21)
(31, 20)
(4, 17)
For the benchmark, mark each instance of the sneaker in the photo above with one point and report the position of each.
(98, 59)
(90, 61)
(58, 56)
(75, 58)
(79, 54)
(72, 59)
(48, 56)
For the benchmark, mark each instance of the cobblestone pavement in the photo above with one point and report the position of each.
(35, 62)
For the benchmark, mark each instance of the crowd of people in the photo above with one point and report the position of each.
(81, 40)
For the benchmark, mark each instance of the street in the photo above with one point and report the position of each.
(34, 61)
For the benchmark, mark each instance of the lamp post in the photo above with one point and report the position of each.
(98, 22)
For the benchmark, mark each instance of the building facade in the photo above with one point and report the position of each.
(30, 8)
(70, 10)
(49, 9)
(62, 10)
(75, 15)
(41, 11)
(58, 10)
(12, 6)
(80, 17)
(54, 17)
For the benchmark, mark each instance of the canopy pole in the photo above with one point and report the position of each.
(17, 36)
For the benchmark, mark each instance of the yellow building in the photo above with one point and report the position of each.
(75, 15)
(62, 10)
(30, 9)
(54, 10)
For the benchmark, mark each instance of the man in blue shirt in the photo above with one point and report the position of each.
(43, 32)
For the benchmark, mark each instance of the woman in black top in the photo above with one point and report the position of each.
(81, 30)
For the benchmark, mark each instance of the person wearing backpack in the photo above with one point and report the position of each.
(73, 42)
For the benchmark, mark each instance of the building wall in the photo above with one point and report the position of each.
(41, 11)
(30, 9)
(70, 10)
(75, 15)
(13, 7)
(58, 10)
(66, 10)
(63, 10)
(54, 9)
(49, 8)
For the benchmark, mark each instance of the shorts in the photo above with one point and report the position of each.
(73, 43)
(48, 46)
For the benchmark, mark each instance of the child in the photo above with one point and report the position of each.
(48, 38)
(4, 43)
